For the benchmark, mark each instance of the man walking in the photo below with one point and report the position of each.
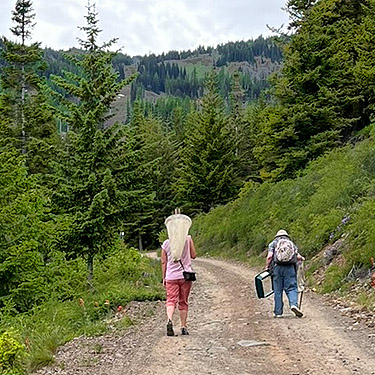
(282, 259)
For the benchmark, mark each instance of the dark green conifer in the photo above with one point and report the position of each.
(94, 185)
(29, 124)
(208, 171)
(325, 92)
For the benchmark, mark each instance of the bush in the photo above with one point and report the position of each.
(12, 353)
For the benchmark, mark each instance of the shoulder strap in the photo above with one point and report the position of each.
(182, 265)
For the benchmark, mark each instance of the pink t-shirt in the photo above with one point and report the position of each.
(174, 269)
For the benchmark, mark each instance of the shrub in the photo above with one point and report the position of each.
(12, 352)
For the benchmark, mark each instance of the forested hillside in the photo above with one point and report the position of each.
(321, 192)
(98, 148)
(178, 77)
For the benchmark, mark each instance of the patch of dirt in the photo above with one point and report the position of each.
(225, 313)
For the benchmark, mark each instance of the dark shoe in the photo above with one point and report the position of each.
(297, 311)
(184, 331)
(170, 331)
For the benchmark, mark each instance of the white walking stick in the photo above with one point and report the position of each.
(300, 280)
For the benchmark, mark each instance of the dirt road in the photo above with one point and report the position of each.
(225, 316)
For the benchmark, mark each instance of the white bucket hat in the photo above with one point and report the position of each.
(282, 232)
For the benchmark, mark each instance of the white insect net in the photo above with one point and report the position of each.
(178, 226)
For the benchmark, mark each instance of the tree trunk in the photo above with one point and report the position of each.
(23, 132)
(90, 269)
(140, 243)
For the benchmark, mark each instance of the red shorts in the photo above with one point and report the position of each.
(178, 292)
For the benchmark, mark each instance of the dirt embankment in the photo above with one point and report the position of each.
(231, 332)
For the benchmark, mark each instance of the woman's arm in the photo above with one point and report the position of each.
(193, 253)
(163, 265)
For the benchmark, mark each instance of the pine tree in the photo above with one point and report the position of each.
(94, 186)
(31, 127)
(322, 96)
(208, 171)
(20, 62)
(140, 225)
(25, 231)
(243, 123)
(298, 10)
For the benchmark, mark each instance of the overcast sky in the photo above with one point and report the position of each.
(152, 26)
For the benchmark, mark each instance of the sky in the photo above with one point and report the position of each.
(151, 26)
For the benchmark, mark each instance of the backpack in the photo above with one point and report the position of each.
(285, 252)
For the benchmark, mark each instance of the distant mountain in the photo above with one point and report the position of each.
(181, 74)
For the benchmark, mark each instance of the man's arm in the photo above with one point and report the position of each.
(271, 249)
(299, 256)
(269, 260)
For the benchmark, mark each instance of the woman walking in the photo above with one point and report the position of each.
(177, 288)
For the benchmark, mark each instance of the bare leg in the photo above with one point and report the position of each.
(170, 311)
(183, 318)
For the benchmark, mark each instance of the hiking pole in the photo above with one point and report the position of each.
(300, 281)
(300, 300)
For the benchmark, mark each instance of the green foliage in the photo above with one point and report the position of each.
(26, 121)
(208, 175)
(91, 186)
(311, 207)
(153, 168)
(25, 232)
(163, 235)
(124, 276)
(334, 278)
(325, 90)
(12, 352)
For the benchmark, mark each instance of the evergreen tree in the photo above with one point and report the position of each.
(25, 232)
(156, 151)
(140, 225)
(32, 128)
(92, 185)
(323, 99)
(298, 10)
(208, 171)
(243, 124)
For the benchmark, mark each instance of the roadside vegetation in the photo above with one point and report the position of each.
(83, 193)
(331, 202)
(30, 339)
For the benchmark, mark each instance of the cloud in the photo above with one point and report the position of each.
(145, 26)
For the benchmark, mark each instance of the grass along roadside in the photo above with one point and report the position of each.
(29, 340)
(330, 206)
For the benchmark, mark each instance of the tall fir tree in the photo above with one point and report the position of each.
(322, 96)
(208, 174)
(156, 160)
(94, 186)
(140, 225)
(30, 125)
